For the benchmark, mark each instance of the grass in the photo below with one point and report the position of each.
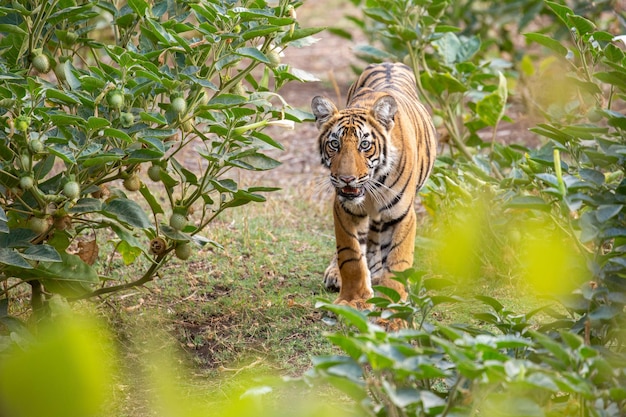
(248, 310)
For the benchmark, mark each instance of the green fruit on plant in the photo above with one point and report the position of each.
(38, 225)
(132, 183)
(238, 89)
(274, 58)
(127, 119)
(187, 125)
(594, 115)
(41, 63)
(183, 251)
(70, 38)
(27, 182)
(437, 121)
(154, 173)
(179, 105)
(22, 123)
(25, 160)
(35, 146)
(115, 99)
(178, 221)
(71, 189)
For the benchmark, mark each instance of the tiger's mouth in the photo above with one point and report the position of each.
(351, 192)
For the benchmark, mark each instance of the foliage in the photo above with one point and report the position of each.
(557, 208)
(574, 183)
(431, 369)
(76, 370)
(93, 93)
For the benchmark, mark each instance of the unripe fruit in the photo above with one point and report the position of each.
(35, 146)
(71, 189)
(41, 63)
(132, 183)
(127, 119)
(187, 125)
(178, 221)
(274, 59)
(115, 98)
(22, 123)
(183, 251)
(70, 38)
(437, 121)
(594, 115)
(27, 182)
(154, 173)
(179, 105)
(38, 225)
(238, 89)
(25, 161)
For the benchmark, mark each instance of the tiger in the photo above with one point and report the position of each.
(380, 150)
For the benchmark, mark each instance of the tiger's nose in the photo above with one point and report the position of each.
(347, 179)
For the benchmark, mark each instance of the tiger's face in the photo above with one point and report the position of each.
(354, 144)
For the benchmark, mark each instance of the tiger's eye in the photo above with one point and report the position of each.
(365, 145)
(334, 144)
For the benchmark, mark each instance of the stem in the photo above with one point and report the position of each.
(147, 277)
(37, 298)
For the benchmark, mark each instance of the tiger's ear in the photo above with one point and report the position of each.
(384, 110)
(323, 109)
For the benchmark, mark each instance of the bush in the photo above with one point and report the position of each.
(95, 93)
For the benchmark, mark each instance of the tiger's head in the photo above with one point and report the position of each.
(355, 144)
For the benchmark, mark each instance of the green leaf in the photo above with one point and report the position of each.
(128, 251)
(563, 12)
(354, 317)
(606, 212)
(253, 53)
(257, 162)
(97, 123)
(42, 253)
(392, 294)
(61, 97)
(528, 202)
(128, 212)
(11, 257)
(153, 118)
(224, 101)
(86, 205)
(151, 200)
(139, 6)
(379, 14)
(301, 33)
(548, 42)
(119, 134)
(490, 301)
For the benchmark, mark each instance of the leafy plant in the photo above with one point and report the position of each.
(94, 93)
(430, 369)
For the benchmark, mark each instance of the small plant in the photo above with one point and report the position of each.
(96, 94)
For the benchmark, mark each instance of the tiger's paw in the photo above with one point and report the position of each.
(332, 278)
(357, 299)
(358, 304)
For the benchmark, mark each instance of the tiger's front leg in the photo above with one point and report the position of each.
(398, 249)
(351, 237)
